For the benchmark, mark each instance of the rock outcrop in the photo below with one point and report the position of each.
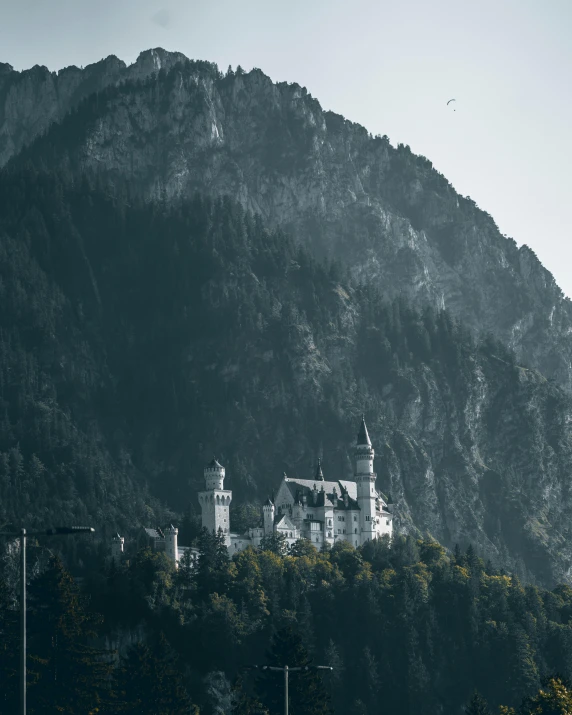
(170, 127)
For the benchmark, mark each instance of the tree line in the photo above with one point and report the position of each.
(406, 628)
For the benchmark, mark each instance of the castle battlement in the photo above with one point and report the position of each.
(320, 510)
(315, 509)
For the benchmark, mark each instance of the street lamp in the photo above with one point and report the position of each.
(23, 534)
(286, 670)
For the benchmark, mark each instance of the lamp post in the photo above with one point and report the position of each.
(287, 670)
(23, 534)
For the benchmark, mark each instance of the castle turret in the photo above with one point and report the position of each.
(171, 543)
(268, 510)
(117, 544)
(214, 475)
(365, 479)
(215, 501)
(319, 473)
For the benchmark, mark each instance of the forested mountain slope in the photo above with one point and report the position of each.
(139, 339)
(167, 127)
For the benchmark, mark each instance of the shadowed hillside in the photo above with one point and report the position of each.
(139, 339)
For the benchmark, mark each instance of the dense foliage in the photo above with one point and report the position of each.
(137, 340)
(408, 626)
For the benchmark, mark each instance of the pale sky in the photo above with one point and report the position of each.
(390, 65)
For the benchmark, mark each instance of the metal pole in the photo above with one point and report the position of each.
(23, 622)
(285, 690)
(57, 531)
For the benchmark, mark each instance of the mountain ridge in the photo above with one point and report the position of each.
(169, 126)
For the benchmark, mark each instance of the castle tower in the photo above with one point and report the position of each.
(171, 543)
(319, 473)
(365, 479)
(268, 510)
(215, 501)
(117, 544)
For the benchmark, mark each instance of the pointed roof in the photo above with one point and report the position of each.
(282, 521)
(319, 473)
(214, 463)
(268, 502)
(363, 436)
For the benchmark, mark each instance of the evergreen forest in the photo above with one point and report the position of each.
(139, 338)
(406, 628)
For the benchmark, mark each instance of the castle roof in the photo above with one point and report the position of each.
(268, 502)
(214, 463)
(307, 486)
(319, 473)
(284, 522)
(363, 436)
(154, 534)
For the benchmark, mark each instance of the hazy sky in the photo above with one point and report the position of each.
(389, 65)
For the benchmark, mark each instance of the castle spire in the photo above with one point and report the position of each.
(363, 436)
(319, 473)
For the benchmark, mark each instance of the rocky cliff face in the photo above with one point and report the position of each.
(136, 342)
(204, 329)
(171, 127)
(31, 101)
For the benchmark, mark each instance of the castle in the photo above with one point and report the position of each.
(324, 512)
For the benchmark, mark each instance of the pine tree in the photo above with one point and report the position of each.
(73, 676)
(275, 542)
(554, 698)
(9, 649)
(149, 681)
(243, 703)
(212, 570)
(477, 705)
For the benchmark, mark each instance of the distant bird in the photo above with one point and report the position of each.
(449, 102)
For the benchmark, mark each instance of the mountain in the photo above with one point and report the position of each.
(167, 127)
(139, 338)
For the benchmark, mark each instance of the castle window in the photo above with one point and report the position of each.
(339, 531)
(387, 521)
(329, 522)
(355, 518)
(344, 531)
(355, 531)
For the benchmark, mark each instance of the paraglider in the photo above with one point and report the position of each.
(449, 102)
